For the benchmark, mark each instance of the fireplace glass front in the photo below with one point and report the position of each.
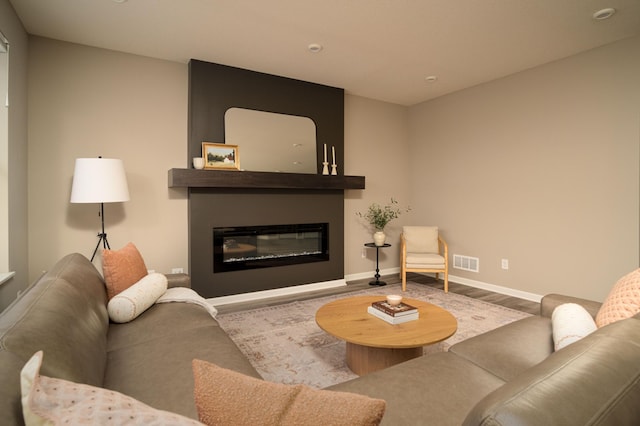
(250, 247)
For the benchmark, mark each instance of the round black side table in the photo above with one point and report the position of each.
(377, 275)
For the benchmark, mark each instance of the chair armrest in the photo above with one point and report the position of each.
(178, 280)
(444, 248)
(551, 301)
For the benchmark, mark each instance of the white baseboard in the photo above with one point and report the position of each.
(265, 294)
(460, 280)
(497, 288)
(365, 275)
(259, 295)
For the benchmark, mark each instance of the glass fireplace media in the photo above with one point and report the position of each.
(251, 247)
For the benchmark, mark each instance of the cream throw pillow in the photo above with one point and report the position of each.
(129, 304)
(570, 322)
(49, 401)
(225, 397)
(623, 300)
(421, 239)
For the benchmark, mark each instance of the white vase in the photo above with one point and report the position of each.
(378, 238)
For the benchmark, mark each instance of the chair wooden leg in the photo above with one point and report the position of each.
(446, 283)
(403, 275)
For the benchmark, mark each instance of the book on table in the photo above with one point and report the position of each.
(391, 319)
(395, 311)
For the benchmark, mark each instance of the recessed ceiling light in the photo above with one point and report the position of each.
(604, 14)
(314, 47)
(119, 1)
(430, 78)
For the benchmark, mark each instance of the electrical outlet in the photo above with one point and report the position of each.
(177, 271)
(505, 264)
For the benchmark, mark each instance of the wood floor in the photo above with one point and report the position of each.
(476, 293)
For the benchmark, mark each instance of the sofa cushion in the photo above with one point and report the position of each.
(48, 400)
(130, 303)
(551, 301)
(595, 381)
(437, 389)
(64, 313)
(227, 397)
(511, 349)
(150, 358)
(623, 300)
(570, 322)
(122, 268)
(425, 260)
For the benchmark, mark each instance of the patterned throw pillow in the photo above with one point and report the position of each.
(225, 397)
(622, 302)
(122, 268)
(47, 401)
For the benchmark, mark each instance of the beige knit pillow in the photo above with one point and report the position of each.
(622, 302)
(225, 397)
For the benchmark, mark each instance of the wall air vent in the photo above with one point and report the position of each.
(466, 263)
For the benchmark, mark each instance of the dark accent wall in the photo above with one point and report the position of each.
(272, 207)
(215, 88)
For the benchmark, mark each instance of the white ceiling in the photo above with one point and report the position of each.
(380, 49)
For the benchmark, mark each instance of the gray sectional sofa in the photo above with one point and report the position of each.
(509, 376)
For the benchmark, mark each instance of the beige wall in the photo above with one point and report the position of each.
(541, 168)
(16, 157)
(375, 147)
(86, 102)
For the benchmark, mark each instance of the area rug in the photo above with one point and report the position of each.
(285, 345)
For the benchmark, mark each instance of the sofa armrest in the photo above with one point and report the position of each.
(178, 280)
(551, 301)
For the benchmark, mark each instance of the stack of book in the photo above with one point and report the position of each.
(393, 314)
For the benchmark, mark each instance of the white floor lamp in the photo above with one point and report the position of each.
(99, 180)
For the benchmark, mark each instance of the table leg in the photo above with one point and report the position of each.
(365, 359)
(377, 275)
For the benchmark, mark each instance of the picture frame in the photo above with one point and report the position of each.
(220, 156)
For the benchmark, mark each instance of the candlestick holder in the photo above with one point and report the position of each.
(334, 172)
(325, 168)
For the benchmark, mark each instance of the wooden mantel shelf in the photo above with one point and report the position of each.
(192, 178)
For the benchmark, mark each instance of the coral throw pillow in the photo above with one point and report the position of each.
(225, 397)
(122, 268)
(49, 401)
(622, 302)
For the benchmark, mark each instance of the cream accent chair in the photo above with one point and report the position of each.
(423, 250)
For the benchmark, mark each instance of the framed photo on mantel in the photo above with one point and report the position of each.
(220, 156)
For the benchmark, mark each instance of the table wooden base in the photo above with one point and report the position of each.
(365, 359)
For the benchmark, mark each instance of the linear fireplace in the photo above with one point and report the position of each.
(250, 247)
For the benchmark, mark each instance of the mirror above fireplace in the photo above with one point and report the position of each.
(271, 142)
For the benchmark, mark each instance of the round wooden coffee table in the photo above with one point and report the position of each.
(374, 344)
